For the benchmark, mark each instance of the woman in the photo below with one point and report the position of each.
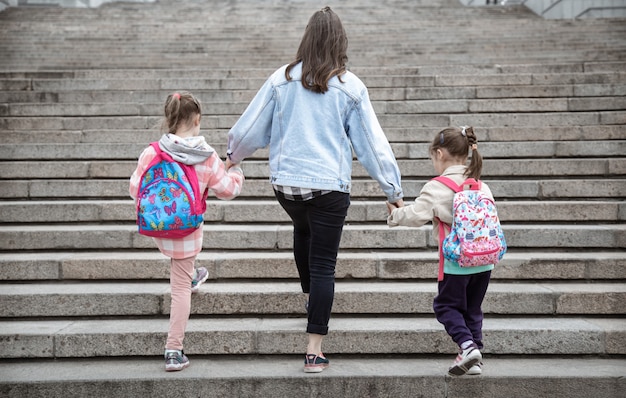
(313, 113)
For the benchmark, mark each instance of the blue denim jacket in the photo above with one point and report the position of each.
(311, 136)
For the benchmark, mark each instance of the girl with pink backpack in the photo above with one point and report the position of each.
(462, 283)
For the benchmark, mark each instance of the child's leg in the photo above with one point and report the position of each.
(476, 290)
(450, 305)
(181, 274)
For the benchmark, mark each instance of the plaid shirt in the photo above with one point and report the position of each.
(211, 173)
(299, 194)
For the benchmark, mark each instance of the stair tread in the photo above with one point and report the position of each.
(216, 369)
(270, 335)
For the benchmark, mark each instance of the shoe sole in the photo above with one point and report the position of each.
(314, 369)
(462, 368)
(176, 368)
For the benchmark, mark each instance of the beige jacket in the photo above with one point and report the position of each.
(434, 201)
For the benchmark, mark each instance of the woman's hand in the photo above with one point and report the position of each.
(395, 205)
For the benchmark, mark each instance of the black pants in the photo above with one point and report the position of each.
(317, 227)
(458, 306)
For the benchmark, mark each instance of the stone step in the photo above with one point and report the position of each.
(391, 107)
(394, 134)
(266, 211)
(539, 188)
(485, 120)
(89, 299)
(276, 265)
(567, 94)
(407, 155)
(233, 71)
(282, 376)
(280, 336)
(272, 237)
(491, 151)
(252, 80)
(379, 35)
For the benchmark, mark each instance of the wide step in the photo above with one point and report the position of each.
(282, 376)
(350, 335)
(149, 299)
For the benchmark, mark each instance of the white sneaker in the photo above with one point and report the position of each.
(476, 369)
(465, 360)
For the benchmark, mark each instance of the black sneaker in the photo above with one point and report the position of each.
(315, 363)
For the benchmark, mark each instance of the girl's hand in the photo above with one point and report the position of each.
(395, 205)
(229, 164)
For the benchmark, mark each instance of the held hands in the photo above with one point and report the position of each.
(228, 163)
(395, 205)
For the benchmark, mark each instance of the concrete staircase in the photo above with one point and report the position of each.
(84, 299)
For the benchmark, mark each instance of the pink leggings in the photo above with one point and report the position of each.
(181, 274)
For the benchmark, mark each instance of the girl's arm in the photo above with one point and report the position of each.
(142, 164)
(416, 214)
(225, 184)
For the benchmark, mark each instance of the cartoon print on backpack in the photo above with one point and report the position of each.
(169, 203)
(475, 237)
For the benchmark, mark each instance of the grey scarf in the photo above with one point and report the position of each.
(190, 150)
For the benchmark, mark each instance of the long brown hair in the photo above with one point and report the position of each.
(323, 51)
(180, 109)
(458, 141)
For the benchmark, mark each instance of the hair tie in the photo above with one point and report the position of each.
(463, 131)
(474, 147)
(176, 95)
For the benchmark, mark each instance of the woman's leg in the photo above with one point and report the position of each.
(181, 274)
(327, 216)
(298, 212)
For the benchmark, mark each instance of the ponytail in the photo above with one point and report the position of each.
(476, 163)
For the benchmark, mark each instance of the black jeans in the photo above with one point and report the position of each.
(458, 306)
(317, 227)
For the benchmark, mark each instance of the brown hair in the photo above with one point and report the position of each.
(323, 51)
(458, 141)
(180, 109)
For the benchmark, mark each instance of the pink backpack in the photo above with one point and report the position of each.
(475, 237)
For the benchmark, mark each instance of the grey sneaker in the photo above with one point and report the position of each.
(200, 275)
(175, 360)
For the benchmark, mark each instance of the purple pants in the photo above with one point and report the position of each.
(457, 306)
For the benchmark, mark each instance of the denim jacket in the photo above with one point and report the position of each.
(311, 136)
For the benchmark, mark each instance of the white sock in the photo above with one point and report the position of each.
(466, 344)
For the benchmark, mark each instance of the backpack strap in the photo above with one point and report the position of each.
(448, 182)
(442, 226)
(442, 236)
(472, 184)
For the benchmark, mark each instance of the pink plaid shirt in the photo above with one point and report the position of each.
(225, 185)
